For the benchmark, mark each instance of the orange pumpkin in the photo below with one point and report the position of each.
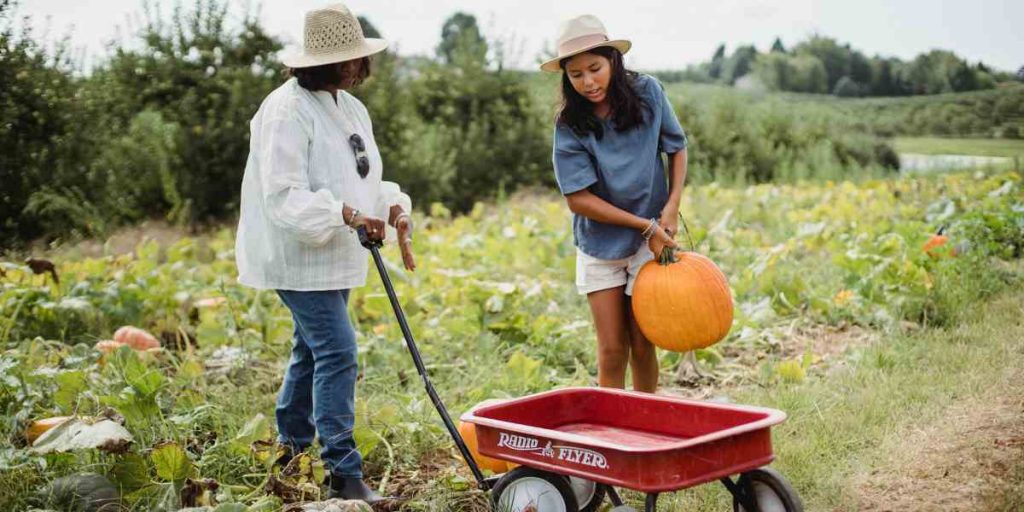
(682, 302)
(136, 338)
(468, 432)
(933, 247)
(39, 427)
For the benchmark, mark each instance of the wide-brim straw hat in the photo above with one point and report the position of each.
(333, 34)
(579, 34)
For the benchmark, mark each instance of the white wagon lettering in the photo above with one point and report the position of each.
(582, 456)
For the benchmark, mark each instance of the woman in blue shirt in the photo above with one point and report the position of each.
(609, 135)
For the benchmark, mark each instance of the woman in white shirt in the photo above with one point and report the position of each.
(312, 177)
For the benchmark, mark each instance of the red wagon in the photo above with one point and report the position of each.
(613, 438)
(576, 445)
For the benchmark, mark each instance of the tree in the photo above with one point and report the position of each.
(834, 57)
(932, 72)
(1020, 74)
(774, 71)
(777, 46)
(860, 67)
(461, 40)
(964, 78)
(809, 75)
(715, 68)
(206, 76)
(846, 88)
(885, 78)
(739, 64)
(43, 137)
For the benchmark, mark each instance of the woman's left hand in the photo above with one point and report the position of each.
(404, 228)
(669, 220)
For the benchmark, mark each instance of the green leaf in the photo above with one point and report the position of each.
(171, 462)
(254, 430)
(366, 439)
(138, 410)
(69, 386)
(522, 367)
(130, 472)
(144, 380)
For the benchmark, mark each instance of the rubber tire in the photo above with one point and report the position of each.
(774, 481)
(559, 482)
(595, 501)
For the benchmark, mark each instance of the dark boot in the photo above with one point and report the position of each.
(353, 488)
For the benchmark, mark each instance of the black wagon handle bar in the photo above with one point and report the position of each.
(374, 247)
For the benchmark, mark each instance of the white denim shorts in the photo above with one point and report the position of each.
(595, 274)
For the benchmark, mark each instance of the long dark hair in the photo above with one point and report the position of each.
(318, 78)
(627, 107)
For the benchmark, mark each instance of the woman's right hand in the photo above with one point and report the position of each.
(659, 241)
(374, 226)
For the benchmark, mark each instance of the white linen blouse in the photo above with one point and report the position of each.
(301, 171)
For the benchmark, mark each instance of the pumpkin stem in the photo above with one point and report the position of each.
(668, 256)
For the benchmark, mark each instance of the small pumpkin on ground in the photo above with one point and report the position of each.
(107, 346)
(136, 338)
(934, 246)
(468, 433)
(39, 427)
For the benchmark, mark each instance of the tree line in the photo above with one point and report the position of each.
(823, 65)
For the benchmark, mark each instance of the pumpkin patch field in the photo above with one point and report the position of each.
(840, 318)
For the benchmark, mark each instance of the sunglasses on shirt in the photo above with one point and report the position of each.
(362, 161)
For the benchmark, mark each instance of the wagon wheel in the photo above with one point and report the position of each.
(589, 494)
(525, 489)
(771, 491)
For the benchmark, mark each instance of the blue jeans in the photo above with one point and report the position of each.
(318, 393)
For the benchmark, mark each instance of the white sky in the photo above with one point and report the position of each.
(665, 34)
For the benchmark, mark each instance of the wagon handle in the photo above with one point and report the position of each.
(689, 238)
(374, 247)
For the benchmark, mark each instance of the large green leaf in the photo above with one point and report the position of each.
(143, 379)
(69, 385)
(131, 472)
(171, 462)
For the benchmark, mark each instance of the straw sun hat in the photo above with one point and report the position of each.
(333, 34)
(579, 34)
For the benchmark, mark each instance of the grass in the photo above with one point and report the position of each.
(952, 146)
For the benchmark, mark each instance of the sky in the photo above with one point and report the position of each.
(665, 34)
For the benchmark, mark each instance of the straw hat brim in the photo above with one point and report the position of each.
(301, 59)
(553, 65)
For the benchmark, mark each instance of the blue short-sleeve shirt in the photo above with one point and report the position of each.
(623, 168)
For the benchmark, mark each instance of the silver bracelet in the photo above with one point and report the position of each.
(355, 212)
(648, 232)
